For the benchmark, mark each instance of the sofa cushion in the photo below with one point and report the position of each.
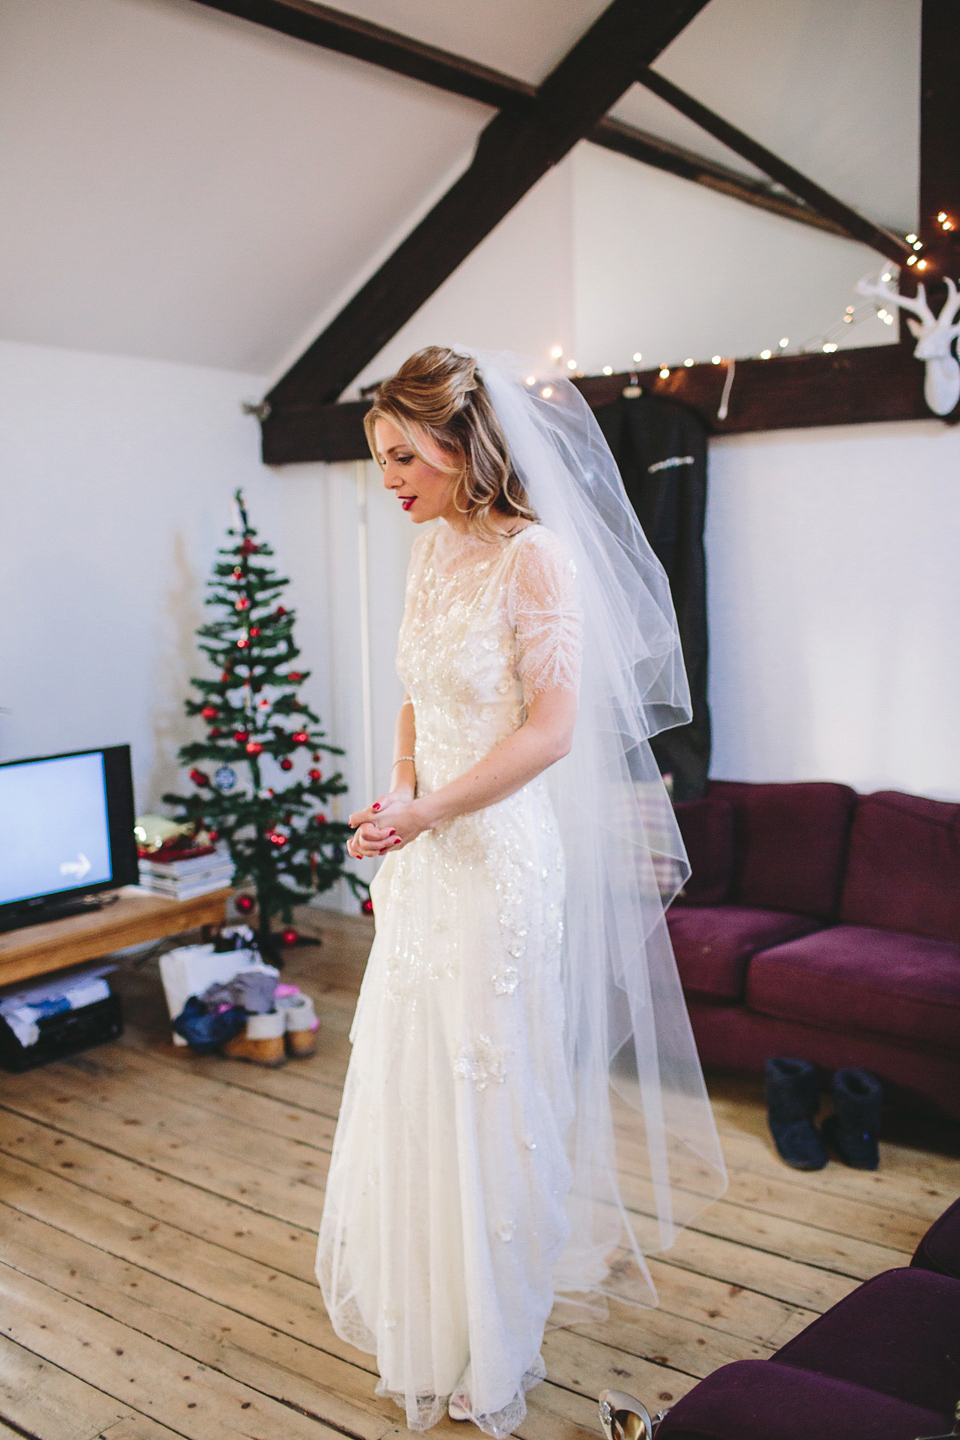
(940, 1248)
(903, 871)
(713, 944)
(853, 977)
(790, 844)
(895, 1334)
(761, 1400)
(707, 830)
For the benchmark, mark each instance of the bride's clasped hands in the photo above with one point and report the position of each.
(391, 821)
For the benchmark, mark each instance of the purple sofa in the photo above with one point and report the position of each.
(882, 1365)
(825, 925)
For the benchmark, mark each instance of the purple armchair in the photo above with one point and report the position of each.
(882, 1365)
(825, 925)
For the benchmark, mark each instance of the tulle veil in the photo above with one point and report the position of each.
(643, 1144)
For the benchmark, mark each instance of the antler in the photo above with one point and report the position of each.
(918, 307)
(951, 306)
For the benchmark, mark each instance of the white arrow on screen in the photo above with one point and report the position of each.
(78, 867)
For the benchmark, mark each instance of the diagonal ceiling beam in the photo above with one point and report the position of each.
(514, 151)
(347, 35)
(854, 224)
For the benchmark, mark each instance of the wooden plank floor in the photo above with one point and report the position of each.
(159, 1214)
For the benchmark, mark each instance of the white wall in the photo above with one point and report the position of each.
(116, 479)
(675, 270)
(329, 513)
(834, 596)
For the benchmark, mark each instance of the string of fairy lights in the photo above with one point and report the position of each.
(826, 342)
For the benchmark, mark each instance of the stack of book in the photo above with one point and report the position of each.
(200, 870)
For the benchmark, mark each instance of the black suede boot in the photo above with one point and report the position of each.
(855, 1125)
(793, 1099)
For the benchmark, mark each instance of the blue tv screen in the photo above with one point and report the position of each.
(67, 829)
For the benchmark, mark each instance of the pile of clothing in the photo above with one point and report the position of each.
(23, 1010)
(236, 1004)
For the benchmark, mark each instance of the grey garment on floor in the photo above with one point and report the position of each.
(253, 989)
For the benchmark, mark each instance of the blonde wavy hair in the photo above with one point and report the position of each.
(439, 394)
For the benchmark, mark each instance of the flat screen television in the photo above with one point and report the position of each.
(66, 833)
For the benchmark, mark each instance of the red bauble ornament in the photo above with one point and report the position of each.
(242, 604)
(316, 758)
(215, 732)
(243, 903)
(290, 936)
(286, 763)
(280, 610)
(199, 777)
(367, 906)
(213, 835)
(241, 736)
(254, 747)
(277, 839)
(254, 629)
(209, 712)
(295, 676)
(315, 775)
(242, 643)
(300, 737)
(321, 819)
(249, 548)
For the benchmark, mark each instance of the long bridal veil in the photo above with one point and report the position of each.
(643, 1145)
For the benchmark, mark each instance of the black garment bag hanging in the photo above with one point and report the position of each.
(661, 449)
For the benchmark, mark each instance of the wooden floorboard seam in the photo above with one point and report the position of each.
(107, 1395)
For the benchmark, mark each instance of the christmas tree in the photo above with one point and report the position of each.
(278, 836)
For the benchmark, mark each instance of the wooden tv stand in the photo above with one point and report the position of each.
(133, 919)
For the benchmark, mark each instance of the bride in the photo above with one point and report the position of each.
(521, 965)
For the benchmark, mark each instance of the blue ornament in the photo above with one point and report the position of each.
(225, 778)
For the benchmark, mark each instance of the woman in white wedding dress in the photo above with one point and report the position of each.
(473, 1174)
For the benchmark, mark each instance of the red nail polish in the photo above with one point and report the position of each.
(391, 832)
(376, 807)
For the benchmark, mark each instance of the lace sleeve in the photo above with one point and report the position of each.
(545, 612)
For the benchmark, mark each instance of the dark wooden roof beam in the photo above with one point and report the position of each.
(940, 139)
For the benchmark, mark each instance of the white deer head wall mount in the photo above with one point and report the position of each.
(934, 335)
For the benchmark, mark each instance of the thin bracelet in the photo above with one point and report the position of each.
(400, 759)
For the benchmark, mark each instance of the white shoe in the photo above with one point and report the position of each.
(301, 1024)
(456, 1411)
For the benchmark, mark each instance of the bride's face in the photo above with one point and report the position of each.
(425, 492)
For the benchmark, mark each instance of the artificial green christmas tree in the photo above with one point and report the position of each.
(258, 730)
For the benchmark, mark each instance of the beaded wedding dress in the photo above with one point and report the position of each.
(444, 1211)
